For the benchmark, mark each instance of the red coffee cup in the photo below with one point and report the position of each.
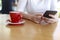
(15, 16)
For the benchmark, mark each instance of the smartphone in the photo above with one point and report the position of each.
(46, 14)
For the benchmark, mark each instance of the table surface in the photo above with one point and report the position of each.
(27, 31)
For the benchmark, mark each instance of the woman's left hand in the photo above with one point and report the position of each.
(53, 16)
(49, 20)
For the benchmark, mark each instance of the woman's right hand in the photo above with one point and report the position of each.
(36, 18)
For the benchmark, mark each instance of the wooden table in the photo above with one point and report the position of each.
(28, 31)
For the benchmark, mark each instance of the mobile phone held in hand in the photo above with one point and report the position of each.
(46, 14)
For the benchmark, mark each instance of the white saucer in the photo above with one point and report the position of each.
(21, 22)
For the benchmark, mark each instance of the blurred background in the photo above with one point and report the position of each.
(14, 5)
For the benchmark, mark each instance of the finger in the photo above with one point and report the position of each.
(51, 21)
(45, 18)
(39, 19)
(51, 15)
(35, 19)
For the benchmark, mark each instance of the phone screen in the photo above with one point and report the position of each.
(46, 14)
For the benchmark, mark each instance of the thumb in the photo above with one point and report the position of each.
(52, 16)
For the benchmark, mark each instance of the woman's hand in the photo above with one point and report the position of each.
(49, 20)
(36, 18)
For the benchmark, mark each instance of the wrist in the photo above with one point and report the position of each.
(29, 17)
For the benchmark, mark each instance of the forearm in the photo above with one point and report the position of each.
(27, 16)
(34, 18)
